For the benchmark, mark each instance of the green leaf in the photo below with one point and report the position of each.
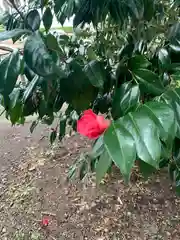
(126, 99)
(120, 146)
(9, 70)
(164, 118)
(14, 97)
(37, 57)
(53, 136)
(47, 19)
(95, 73)
(102, 166)
(52, 43)
(30, 88)
(172, 97)
(149, 81)
(13, 33)
(164, 58)
(137, 8)
(16, 112)
(62, 128)
(98, 148)
(83, 169)
(138, 61)
(33, 125)
(146, 169)
(57, 8)
(145, 134)
(149, 7)
(33, 20)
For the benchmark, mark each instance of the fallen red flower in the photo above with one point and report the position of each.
(45, 222)
(92, 125)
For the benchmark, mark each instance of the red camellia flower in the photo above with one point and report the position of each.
(92, 125)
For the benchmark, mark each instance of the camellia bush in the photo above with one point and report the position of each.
(118, 74)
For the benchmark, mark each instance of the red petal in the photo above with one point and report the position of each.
(89, 112)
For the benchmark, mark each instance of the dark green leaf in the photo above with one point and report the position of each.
(146, 169)
(164, 58)
(98, 148)
(126, 99)
(96, 73)
(164, 118)
(138, 61)
(137, 8)
(16, 112)
(52, 43)
(172, 97)
(62, 128)
(149, 81)
(33, 20)
(36, 56)
(117, 140)
(13, 33)
(145, 135)
(14, 97)
(53, 136)
(30, 88)
(47, 19)
(83, 169)
(9, 70)
(102, 166)
(33, 125)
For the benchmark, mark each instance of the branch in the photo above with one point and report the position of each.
(8, 49)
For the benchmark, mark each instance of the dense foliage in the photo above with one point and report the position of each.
(122, 60)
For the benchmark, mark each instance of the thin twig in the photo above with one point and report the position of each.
(2, 112)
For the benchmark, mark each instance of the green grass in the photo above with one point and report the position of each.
(66, 29)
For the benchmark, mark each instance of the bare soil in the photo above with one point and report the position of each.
(33, 185)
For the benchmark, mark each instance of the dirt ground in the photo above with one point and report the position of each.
(33, 185)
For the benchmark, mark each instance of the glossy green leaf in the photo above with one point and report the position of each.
(120, 146)
(164, 118)
(137, 8)
(83, 169)
(146, 169)
(102, 166)
(145, 134)
(164, 58)
(62, 128)
(33, 125)
(13, 33)
(33, 20)
(58, 7)
(149, 81)
(172, 97)
(126, 99)
(95, 73)
(37, 57)
(52, 43)
(30, 88)
(98, 148)
(14, 97)
(16, 113)
(47, 19)
(9, 70)
(138, 61)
